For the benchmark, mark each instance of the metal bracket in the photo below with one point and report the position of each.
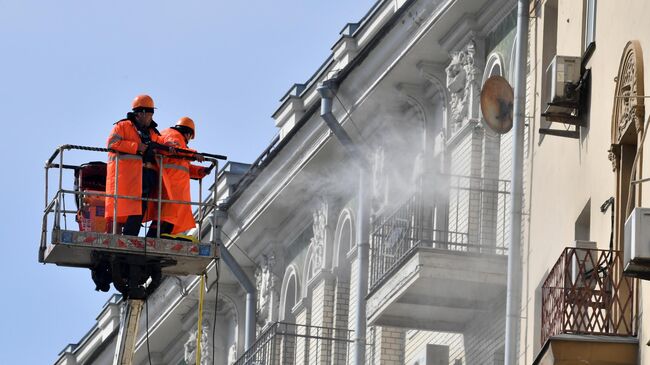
(560, 133)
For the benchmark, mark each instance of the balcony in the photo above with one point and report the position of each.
(294, 344)
(434, 266)
(589, 310)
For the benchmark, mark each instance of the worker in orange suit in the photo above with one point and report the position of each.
(137, 174)
(176, 218)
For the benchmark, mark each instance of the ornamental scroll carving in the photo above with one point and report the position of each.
(318, 241)
(629, 109)
(266, 283)
(190, 346)
(463, 85)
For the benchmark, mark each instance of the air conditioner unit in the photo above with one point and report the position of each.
(563, 97)
(637, 244)
(562, 77)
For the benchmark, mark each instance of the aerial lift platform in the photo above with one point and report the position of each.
(135, 264)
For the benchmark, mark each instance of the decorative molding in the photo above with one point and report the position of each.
(464, 131)
(414, 95)
(267, 297)
(493, 14)
(290, 272)
(353, 253)
(303, 304)
(493, 59)
(341, 249)
(316, 259)
(628, 111)
(322, 275)
(476, 25)
(206, 348)
(464, 30)
(463, 74)
(613, 154)
(434, 73)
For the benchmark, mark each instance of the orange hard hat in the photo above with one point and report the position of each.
(187, 122)
(142, 101)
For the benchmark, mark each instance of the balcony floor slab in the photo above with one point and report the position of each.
(593, 350)
(438, 289)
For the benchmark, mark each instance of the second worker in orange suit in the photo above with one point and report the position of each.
(176, 218)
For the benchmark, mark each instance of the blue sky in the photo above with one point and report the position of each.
(68, 71)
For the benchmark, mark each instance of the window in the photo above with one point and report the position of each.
(549, 50)
(589, 24)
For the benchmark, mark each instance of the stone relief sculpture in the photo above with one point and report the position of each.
(463, 85)
(318, 241)
(266, 288)
(190, 346)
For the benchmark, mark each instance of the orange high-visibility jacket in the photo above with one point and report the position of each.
(176, 181)
(124, 138)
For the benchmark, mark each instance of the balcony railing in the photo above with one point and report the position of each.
(294, 344)
(469, 214)
(585, 293)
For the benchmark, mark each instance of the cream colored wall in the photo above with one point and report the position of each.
(566, 173)
(569, 27)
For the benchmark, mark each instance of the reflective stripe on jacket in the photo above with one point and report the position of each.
(125, 139)
(176, 181)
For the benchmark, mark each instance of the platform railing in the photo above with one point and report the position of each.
(55, 199)
(295, 344)
(470, 214)
(585, 293)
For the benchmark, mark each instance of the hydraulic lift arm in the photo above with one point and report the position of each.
(129, 318)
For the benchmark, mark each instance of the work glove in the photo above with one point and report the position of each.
(204, 172)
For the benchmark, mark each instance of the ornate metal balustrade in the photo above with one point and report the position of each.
(294, 344)
(586, 293)
(466, 214)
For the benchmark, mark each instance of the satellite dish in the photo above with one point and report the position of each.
(496, 104)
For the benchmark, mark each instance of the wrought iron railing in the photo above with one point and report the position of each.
(468, 214)
(295, 344)
(586, 293)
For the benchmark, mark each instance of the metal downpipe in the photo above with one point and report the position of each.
(249, 287)
(363, 251)
(513, 299)
(363, 219)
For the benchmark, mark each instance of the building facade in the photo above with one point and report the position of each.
(391, 246)
(586, 152)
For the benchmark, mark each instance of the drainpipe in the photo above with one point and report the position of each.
(244, 281)
(326, 91)
(513, 300)
(246, 284)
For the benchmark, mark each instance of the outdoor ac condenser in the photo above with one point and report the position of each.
(562, 77)
(637, 244)
(562, 74)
